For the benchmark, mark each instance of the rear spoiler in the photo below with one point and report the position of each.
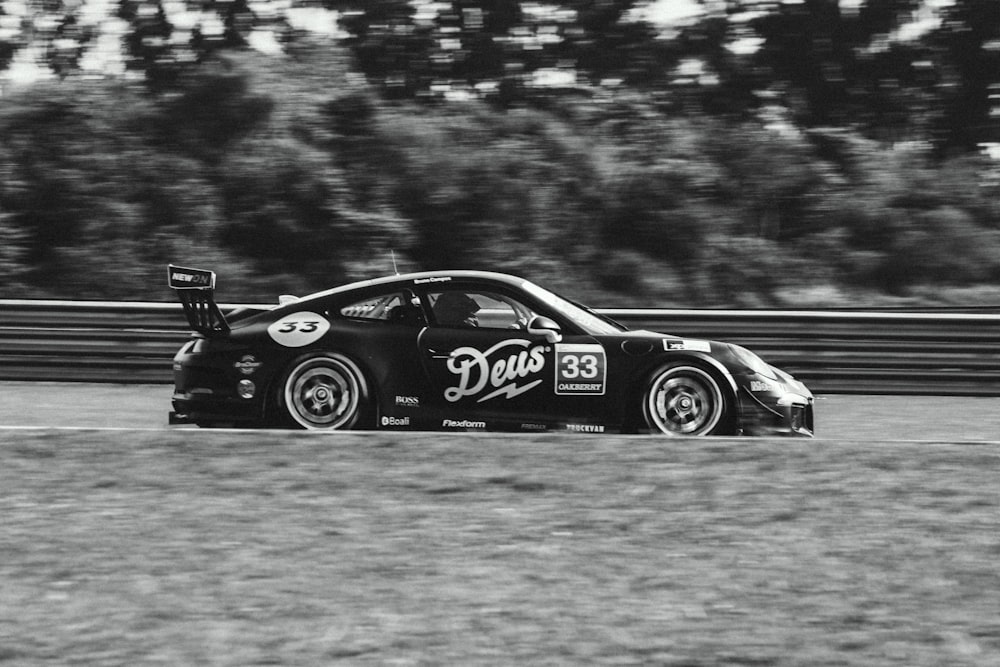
(196, 290)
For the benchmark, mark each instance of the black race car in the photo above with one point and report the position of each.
(464, 350)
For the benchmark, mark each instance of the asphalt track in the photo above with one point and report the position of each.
(143, 545)
(848, 417)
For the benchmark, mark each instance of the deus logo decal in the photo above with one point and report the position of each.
(503, 370)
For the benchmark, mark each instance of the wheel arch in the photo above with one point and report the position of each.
(635, 420)
(275, 414)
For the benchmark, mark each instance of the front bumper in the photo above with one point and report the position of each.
(790, 414)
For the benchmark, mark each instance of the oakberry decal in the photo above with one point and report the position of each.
(498, 368)
(299, 329)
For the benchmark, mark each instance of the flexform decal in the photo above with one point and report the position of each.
(462, 423)
(499, 368)
(298, 329)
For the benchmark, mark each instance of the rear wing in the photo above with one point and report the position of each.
(196, 290)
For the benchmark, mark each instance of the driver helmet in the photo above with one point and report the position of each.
(456, 308)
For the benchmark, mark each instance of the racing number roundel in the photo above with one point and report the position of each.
(581, 369)
(298, 329)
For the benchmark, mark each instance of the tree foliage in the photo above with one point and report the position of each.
(834, 162)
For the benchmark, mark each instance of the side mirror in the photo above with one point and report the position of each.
(546, 328)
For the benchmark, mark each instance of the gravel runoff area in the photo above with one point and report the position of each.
(190, 547)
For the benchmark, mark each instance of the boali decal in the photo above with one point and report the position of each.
(298, 329)
(580, 369)
(509, 368)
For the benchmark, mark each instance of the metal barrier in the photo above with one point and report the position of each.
(831, 351)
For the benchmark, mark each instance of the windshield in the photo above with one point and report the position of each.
(586, 319)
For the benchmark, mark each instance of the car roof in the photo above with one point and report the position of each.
(420, 277)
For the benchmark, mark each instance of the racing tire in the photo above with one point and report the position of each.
(326, 391)
(684, 399)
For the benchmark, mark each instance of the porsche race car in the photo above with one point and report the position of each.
(463, 351)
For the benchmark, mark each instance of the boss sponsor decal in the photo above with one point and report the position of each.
(503, 368)
(462, 423)
(581, 368)
(690, 345)
(395, 421)
(407, 402)
(298, 329)
(247, 365)
(585, 428)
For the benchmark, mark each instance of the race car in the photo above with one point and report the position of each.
(463, 351)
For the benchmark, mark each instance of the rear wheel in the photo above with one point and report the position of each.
(683, 399)
(327, 391)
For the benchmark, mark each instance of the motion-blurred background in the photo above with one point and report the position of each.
(800, 153)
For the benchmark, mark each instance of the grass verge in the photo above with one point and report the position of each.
(198, 547)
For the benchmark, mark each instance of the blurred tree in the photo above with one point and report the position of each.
(149, 46)
(501, 49)
(830, 63)
(209, 110)
(969, 36)
(10, 40)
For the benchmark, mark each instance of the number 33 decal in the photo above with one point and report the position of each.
(585, 366)
(304, 327)
(298, 329)
(581, 369)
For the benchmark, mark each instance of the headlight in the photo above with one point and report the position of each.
(753, 362)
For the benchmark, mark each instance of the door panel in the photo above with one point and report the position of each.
(506, 375)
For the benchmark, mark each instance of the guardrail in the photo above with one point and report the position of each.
(831, 351)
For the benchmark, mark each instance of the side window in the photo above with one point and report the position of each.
(392, 307)
(473, 308)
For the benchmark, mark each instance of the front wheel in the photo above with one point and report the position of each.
(324, 392)
(684, 400)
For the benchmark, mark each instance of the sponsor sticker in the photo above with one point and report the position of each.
(423, 281)
(298, 329)
(179, 277)
(395, 421)
(758, 385)
(585, 428)
(690, 345)
(247, 365)
(407, 402)
(534, 427)
(581, 368)
(462, 423)
(508, 369)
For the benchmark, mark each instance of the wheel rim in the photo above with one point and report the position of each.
(323, 393)
(684, 401)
